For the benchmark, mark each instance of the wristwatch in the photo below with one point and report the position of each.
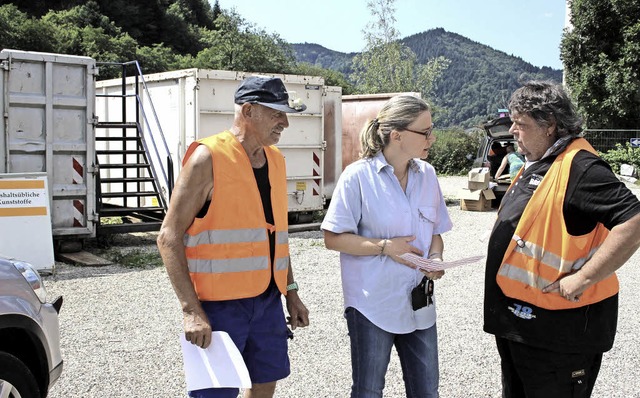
(293, 286)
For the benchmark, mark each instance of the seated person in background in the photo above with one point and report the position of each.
(495, 156)
(513, 159)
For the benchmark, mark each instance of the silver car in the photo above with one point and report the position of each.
(30, 358)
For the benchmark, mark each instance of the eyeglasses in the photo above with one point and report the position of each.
(426, 133)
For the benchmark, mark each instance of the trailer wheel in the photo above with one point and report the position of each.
(69, 246)
(300, 217)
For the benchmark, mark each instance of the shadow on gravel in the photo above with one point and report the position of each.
(128, 253)
(307, 235)
(67, 272)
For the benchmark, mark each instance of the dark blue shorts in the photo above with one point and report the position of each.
(259, 330)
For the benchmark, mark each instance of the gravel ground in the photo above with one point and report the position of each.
(120, 326)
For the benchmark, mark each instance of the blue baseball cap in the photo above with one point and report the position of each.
(267, 91)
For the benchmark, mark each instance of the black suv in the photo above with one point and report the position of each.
(30, 358)
(493, 148)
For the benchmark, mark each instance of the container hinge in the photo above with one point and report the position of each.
(5, 65)
(323, 146)
(93, 169)
(95, 71)
(93, 121)
(93, 217)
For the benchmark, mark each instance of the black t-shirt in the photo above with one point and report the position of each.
(588, 200)
(262, 178)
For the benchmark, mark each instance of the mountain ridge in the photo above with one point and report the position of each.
(479, 80)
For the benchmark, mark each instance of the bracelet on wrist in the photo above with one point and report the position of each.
(384, 244)
(432, 256)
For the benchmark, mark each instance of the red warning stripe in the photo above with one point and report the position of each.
(316, 173)
(78, 178)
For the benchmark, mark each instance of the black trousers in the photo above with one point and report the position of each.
(531, 372)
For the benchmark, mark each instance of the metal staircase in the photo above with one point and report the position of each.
(134, 179)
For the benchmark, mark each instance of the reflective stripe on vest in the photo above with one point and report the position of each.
(225, 236)
(235, 264)
(228, 249)
(545, 258)
(550, 259)
(542, 251)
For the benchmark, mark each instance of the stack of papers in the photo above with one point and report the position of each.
(219, 365)
(436, 265)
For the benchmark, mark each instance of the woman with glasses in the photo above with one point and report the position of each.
(386, 204)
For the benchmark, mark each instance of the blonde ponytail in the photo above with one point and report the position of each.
(396, 114)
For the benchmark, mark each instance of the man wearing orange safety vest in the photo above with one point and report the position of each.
(564, 227)
(224, 240)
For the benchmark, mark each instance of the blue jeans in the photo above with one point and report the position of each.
(371, 351)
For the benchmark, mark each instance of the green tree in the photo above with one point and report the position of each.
(601, 57)
(180, 33)
(216, 11)
(157, 58)
(239, 45)
(387, 65)
(453, 151)
(83, 30)
(19, 31)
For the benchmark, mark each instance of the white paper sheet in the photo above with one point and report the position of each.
(437, 265)
(219, 365)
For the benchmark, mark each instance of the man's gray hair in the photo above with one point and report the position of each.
(547, 102)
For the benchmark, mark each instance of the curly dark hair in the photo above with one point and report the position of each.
(547, 102)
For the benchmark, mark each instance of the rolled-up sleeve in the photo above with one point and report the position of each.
(345, 208)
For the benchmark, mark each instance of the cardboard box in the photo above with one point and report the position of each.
(474, 185)
(479, 174)
(476, 200)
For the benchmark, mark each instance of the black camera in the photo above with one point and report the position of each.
(422, 295)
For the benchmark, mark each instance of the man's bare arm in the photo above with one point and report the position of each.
(193, 188)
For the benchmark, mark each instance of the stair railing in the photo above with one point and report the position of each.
(159, 155)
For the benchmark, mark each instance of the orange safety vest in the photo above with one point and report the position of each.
(542, 251)
(228, 250)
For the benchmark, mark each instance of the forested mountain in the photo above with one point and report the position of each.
(478, 81)
(174, 23)
(161, 35)
(315, 54)
(176, 34)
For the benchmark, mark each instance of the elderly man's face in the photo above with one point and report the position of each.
(269, 124)
(533, 139)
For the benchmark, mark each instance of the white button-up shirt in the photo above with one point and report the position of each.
(369, 201)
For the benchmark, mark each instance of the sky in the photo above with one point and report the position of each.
(529, 29)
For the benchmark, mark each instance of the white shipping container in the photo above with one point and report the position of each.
(195, 103)
(48, 104)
